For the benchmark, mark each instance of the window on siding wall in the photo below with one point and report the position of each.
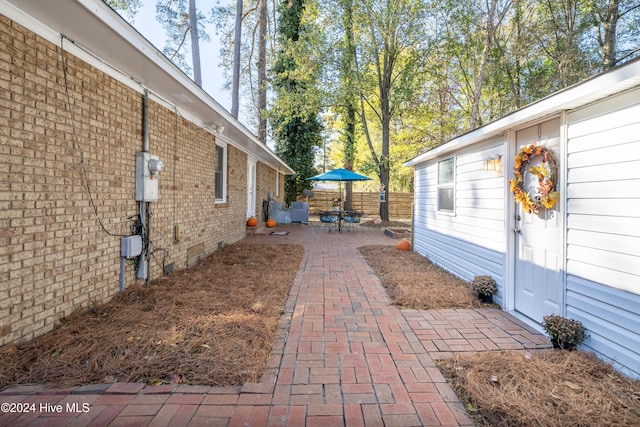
(221, 174)
(446, 194)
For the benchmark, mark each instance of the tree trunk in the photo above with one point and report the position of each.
(383, 166)
(477, 95)
(349, 101)
(349, 151)
(195, 43)
(385, 109)
(608, 40)
(235, 90)
(262, 73)
(384, 181)
(516, 80)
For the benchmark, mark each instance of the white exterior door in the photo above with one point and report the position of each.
(251, 188)
(538, 241)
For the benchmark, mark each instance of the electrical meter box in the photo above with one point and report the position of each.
(148, 168)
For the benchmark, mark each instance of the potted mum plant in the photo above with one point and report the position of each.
(564, 333)
(484, 287)
(336, 203)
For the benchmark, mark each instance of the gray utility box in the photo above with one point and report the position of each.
(130, 246)
(299, 212)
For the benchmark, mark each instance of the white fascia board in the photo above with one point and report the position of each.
(262, 153)
(614, 81)
(131, 36)
(74, 47)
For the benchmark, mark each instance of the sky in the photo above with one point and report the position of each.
(212, 80)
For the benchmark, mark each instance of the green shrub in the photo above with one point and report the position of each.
(484, 285)
(563, 332)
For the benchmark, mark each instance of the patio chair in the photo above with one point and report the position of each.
(329, 219)
(351, 220)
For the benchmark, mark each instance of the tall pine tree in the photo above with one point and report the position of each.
(296, 126)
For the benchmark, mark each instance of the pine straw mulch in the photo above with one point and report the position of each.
(552, 388)
(547, 388)
(412, 281)
(213, 324)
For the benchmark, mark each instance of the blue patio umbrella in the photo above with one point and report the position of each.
(339, 175)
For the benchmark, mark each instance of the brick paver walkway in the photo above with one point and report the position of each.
(344, 357)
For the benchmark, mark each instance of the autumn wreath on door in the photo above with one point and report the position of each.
(535, 175)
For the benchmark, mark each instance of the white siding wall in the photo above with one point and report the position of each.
(471, 241)
(603, 226)
(602, 197)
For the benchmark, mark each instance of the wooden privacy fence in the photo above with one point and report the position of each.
(368, 203)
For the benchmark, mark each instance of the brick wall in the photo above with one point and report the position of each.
(55, 256)
(267, 182)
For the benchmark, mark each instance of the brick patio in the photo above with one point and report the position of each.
(343, 357)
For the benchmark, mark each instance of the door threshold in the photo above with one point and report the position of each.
(536, 326)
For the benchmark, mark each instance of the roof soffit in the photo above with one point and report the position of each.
(91, 26)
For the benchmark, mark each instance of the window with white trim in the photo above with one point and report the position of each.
(221, 174)
(446, 192)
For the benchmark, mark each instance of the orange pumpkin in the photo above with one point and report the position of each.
(271, 223)
(404, 245)
(252, 222)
